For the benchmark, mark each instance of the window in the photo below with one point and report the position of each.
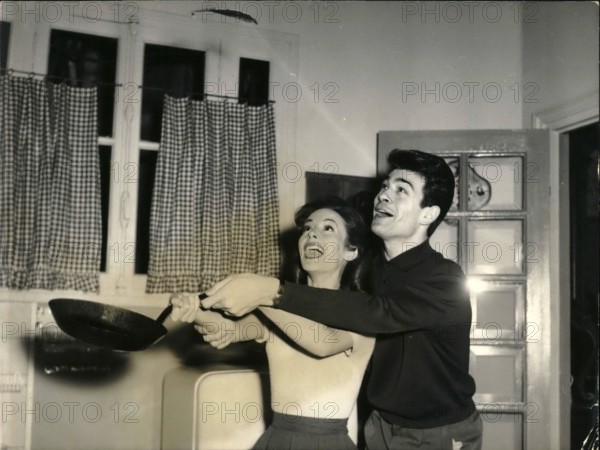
(86, 60)
(105, 152)
(254, 81)
(170, 53)
(145, 187)
(83, 60)
(177, 72)
(4, 37)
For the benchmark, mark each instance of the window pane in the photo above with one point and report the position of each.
(498, 373)
(445, 239)
(498, 311)
(145, 187)
(82, 60)
(105, 152)
(174, 71)
(495, 246)
(495, 183)
(502, 430)
(4, 36)
(253, 82)
(496, 308)
(454, 164)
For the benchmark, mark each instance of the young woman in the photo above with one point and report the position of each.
(315, 371)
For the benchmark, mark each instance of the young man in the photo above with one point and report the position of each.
(419, 384)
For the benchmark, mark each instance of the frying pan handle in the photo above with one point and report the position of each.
(166, 313)
(169, 309)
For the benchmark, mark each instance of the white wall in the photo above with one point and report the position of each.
(560, 55)
(373, 52)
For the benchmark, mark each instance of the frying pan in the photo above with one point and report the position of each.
(107, 325)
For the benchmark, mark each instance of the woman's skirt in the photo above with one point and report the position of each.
(305, 433)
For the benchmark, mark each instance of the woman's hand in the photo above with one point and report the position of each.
(185, 307)
(219, 336)
(217, 330)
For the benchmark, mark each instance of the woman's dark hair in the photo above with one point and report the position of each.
(354, 276)
(438, 185)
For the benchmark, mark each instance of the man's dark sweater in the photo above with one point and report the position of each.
(422, 315)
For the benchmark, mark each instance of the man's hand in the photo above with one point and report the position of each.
(238, 295)
(186, 308)
(217, 330)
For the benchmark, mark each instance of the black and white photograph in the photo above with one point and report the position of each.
(299, 225)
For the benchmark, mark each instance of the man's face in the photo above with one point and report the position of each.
(397, 214)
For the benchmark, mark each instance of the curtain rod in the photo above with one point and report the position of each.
(149, 88)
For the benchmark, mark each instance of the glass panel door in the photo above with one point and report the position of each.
(496, 230)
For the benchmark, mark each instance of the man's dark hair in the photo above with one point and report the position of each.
(438, 187)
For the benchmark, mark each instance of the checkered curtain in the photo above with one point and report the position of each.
(214, 205)
(50, 222)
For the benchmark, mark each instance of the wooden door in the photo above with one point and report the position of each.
(498, 230)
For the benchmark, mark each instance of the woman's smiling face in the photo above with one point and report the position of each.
(323, 244)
